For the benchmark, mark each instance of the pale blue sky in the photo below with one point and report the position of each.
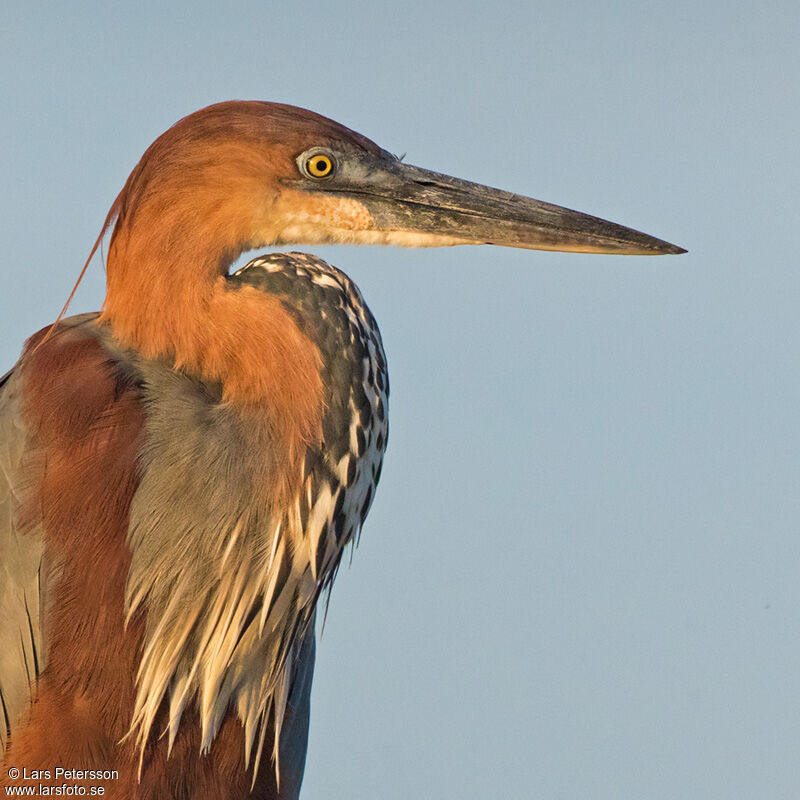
(580, 575)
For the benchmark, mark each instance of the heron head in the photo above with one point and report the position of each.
(241, 175)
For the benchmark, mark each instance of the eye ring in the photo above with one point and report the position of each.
(318, 165)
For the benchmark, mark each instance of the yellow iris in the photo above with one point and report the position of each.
(319, 166)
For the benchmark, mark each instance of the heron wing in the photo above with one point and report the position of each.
(22, 650)
(24, 558)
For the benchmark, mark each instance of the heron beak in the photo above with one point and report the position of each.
(403, 199)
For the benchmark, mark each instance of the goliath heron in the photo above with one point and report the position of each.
(181, 471)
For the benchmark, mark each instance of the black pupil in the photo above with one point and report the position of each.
(321, 165)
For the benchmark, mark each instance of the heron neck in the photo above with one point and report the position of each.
(181, 308)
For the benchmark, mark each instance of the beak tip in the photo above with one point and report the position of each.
(673, 249)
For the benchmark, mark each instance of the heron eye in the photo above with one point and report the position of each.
(319, 166)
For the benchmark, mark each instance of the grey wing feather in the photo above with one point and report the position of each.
(22, 649)
(294, 736)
